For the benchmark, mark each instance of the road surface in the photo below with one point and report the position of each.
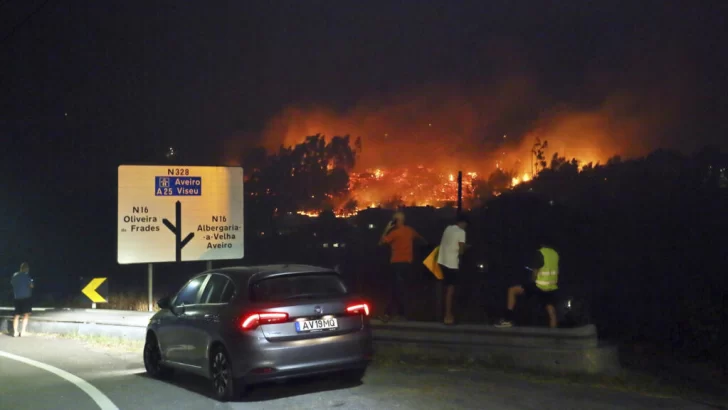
(45, 373)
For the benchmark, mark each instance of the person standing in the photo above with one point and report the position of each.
(452, 248)
(22, 292)
(400, 238)
(544, 286)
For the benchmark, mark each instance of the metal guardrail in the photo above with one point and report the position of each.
(408, 332)
(573, 350)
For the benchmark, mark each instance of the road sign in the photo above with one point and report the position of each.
(97, 290)
(179, 214)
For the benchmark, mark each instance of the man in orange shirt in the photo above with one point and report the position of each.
(400, 238)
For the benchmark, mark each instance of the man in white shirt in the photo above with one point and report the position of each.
(452, 247)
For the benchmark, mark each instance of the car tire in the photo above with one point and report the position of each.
(353, 375)
(153, 359)
(225, 386)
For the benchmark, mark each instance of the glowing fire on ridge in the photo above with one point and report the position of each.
(516, 180)
(417, 186)
(389, 188)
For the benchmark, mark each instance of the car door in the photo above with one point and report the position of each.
(179, 335)
(214, 298)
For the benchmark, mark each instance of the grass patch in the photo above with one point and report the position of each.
(109, 343)
(133, 301)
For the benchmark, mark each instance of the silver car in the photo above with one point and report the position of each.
(246, 325)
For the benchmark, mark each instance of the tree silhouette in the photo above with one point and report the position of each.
(539, 155)
(308, 175)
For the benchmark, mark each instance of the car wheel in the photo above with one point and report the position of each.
(353, 375)
(153, 359)
(224, 385)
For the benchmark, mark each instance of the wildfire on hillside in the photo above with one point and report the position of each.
(418, 186)
(415, 141)
(395, 187)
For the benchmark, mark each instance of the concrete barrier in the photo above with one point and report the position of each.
(559, 351)
(478, 335)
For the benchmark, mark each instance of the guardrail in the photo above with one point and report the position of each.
(35, 309)
(575, 350)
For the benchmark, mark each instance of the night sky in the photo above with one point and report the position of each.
(88, 85)
(134, 76)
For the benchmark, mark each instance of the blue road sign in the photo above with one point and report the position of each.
(177, 186)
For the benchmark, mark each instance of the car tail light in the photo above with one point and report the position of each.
(359, 308)
(253, 320)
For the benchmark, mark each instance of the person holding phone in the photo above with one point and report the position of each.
(22, 291)
(400, 238)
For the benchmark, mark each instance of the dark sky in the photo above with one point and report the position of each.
(135, 76)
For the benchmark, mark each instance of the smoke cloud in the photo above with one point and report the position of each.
(611, 107)
(452, 128)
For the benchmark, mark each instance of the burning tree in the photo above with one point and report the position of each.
(317, 175)
(309, 175)
(539, 155)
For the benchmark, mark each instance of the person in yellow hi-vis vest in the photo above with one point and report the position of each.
(544, 286)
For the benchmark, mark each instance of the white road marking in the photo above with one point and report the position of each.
(95, 394)
(116, 373)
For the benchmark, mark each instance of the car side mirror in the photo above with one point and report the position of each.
(164, 303)
(179, 310)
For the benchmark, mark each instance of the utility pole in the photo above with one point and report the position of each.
(460, 192)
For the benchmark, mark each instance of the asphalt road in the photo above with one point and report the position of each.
(104, 378)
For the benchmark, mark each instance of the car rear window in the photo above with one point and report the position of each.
(298, 286)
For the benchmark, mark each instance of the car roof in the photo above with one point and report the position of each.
(259, 272)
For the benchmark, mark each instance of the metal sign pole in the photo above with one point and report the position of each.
(209, 265)
(460, 192)
(150, 274)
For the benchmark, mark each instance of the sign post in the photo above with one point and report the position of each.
(150, 276)
(179, 214)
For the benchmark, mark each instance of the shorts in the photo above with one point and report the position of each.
(23, 306)
(544, 298)
(450, 276)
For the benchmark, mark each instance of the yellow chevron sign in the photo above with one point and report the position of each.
(93, 292)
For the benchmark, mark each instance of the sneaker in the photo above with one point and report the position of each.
(503, 323)
(16, 334)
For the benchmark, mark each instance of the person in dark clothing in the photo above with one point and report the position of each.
(22, 291)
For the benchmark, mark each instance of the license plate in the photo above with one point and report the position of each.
(314, 325)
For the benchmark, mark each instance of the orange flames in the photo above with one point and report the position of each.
(517, 180)
(417, 186)
(414, 143)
